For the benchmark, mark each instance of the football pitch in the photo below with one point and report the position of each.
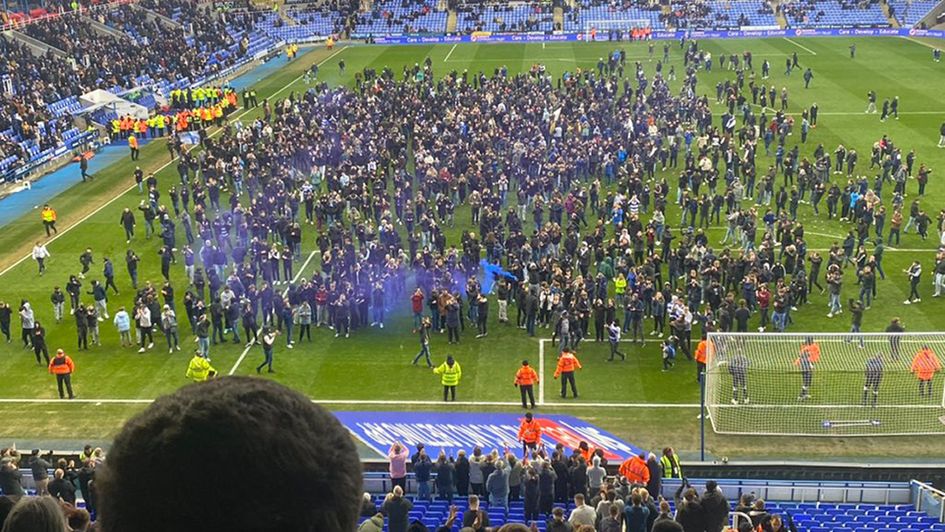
(371, 370)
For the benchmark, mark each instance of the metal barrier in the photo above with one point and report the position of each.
(805, 491)
(928, 499)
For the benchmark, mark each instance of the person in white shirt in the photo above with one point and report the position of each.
(40, 254)
(582, 514)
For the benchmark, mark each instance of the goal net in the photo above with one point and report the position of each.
(826, 384)
(608, 29)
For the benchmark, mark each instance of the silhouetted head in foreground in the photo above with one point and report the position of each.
(234, 454)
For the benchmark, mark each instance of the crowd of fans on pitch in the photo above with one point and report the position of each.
(566, 190)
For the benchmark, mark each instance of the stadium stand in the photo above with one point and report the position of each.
(397, 17)
(723, 14)
(810, 517)
(578, 18)
(910, 12)
(505, 17)
(839, 13)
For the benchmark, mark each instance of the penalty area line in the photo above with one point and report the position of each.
(799, 45)
(284, 292)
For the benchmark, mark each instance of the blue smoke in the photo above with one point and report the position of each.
(490, 273)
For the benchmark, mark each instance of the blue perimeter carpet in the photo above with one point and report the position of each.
(49, 186)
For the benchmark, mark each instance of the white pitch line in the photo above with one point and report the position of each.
(161, 169)
(447, 58)
(541, 371)
(384, 402)
(284, 292)
(801, 46)
(927, 45)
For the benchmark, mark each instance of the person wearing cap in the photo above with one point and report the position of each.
(529, 433)
(525, 379)
(449, 373)
(567, 365)
(62, 367)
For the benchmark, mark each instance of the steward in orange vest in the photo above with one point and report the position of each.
(567, 364)
(529, 433)
(525, 380)
(635, 470)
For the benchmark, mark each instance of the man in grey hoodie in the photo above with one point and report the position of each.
(28, 321)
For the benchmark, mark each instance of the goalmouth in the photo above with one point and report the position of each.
(600, 29)
(826, 384)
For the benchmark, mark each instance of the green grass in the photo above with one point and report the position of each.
(374, 364)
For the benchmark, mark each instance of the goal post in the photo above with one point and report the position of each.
(826, 384)
(601, 28)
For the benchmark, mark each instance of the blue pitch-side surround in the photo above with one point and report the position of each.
(666, 35)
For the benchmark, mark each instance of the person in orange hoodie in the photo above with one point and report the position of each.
(62, 367)
(635, 470)
(525, 380)
(567, 365)
(700, 355)
(529, 433)
(925, 365)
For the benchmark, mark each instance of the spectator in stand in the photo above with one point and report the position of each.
(62, 489)
(397, 455)
(213, 425)
(654, 486)
(11, 480)
(36, 514)
(557, 523)
(473, 517)
(422, 466)
(374, 524)
(445, 477)
(498, 485)
(39, 468)
(368, 508)
(6, 506)
(397, 508)
(636, 516)
(715, 506)
(582, 514)
(689, 512)
(612, 522)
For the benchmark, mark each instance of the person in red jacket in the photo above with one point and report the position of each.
(62, 367)
(416, 305)
(567, 365)
(525, 379)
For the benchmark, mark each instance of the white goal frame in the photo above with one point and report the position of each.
(717, 382)
(603, 26)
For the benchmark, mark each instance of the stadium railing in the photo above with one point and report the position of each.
(779, 490)
(928, 499)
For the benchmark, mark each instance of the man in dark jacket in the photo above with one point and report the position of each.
(715, 507)
(397, 509)
(11, 480)
(689, 512)
(61, 488)
(40, 469)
